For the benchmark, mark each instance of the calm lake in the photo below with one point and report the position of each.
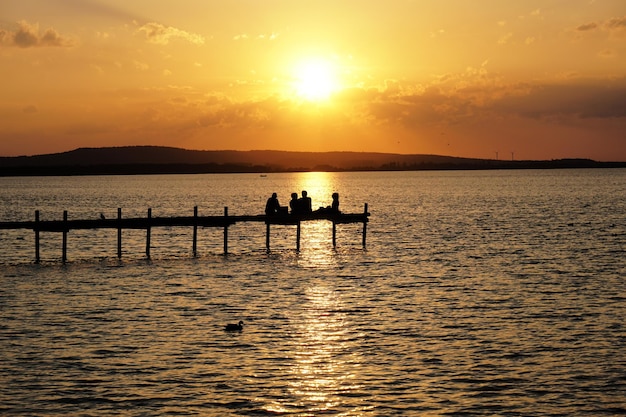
(478, 293)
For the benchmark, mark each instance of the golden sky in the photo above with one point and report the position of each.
(532, 79)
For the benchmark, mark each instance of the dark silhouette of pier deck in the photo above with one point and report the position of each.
(147, 223)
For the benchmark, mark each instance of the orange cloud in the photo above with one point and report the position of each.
(28, 36)
(583, 100)
(613, 25)
(160, 34)
(617, 23)
(587, 27)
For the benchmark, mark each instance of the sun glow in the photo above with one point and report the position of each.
(315, 79)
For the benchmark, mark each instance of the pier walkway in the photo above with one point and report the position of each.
(147, 223)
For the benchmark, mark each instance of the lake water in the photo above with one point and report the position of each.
(478, 293)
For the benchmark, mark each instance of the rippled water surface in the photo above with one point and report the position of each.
(478, 293)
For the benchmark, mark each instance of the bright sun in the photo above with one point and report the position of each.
(315, 79)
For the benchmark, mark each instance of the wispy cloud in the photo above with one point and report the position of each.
(28, 36)
(162, 35)
(616, 24)
(504, 39)
(587, 27)
(244, 37)
(581, 100)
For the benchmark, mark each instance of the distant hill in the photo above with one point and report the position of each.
(284, 160)
(158, 159)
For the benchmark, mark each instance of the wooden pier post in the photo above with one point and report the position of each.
(267, 235)
(365, 224)
(37, 259)
(195, 231)
(334, 234)
(64, 250)
(119, 233)
(298, 237)
(148, 234)
(226, 231)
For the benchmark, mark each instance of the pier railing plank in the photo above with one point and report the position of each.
(183, 221)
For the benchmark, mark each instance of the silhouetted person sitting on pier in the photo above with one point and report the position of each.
(272, 207)
(334, 207)
(294, 204)
(304, 203)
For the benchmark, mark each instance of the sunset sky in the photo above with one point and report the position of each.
(533, 79)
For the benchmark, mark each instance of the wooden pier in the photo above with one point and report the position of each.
(147, 223)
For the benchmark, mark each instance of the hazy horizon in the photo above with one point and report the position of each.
(541, 80)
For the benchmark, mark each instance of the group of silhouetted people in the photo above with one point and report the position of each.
(300, 205)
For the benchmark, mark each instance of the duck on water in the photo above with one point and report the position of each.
(231, 327)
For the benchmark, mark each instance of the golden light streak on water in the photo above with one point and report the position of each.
(318, 235)
(322, 351)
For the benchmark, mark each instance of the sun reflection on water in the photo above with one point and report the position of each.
(325, 365)
(319, 185)
(317, 250)
(323, 346)
(321, 357)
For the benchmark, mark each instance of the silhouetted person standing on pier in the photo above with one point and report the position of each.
(272, 207)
